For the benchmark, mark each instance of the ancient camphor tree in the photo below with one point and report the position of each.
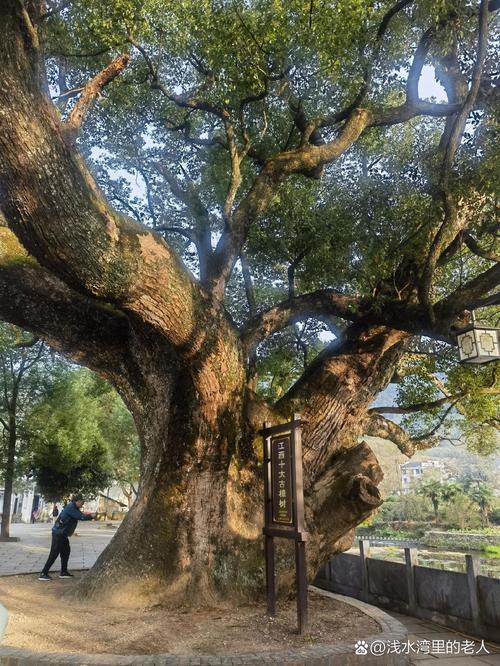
(187, 185)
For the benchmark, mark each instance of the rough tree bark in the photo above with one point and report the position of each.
(112, 295)
(9, 477)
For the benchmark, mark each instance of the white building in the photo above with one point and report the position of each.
(23, 504)
(111, 501)
(413, 472)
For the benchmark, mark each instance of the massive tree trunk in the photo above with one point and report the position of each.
(174, 540)
(195, 528)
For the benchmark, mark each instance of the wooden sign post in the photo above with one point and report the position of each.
(284, 507)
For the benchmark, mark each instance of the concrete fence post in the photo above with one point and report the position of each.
(473, 567)
(411, 560)
(364, 553)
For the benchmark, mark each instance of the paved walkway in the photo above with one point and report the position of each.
(462, 648)
(30, 554)
(90, 539)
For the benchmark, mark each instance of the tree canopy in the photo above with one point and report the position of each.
(81, 438)
(207, 95)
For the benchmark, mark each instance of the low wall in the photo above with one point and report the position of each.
(459, 540)
(467, 601)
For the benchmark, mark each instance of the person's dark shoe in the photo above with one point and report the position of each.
(43, 576)
(65, 574)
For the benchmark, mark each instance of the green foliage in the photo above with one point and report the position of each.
(407, 507)
(82, 437)
(492, 551)
(461, 505)
(58, 472)
(27, 370)
(283, 357)
(438, 492)
(482, 495)
(471, 416)
(73, 431)
(461, 513)
(372, 209)
(495, 514)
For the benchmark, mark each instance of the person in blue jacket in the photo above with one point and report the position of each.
(63, 528)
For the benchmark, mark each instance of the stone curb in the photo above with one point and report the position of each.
(341, 654)
(387, 623)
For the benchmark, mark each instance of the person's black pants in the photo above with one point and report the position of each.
(60, 546)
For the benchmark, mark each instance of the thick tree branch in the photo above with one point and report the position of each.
(82, 328)
(189, 100)
(87, 332)
(92, 90)
(235, 159)
(464, 297)
(52, 204)
(353, 368)
(476, 249)
(488, 301)
(247, 281)
(323, 302)
(448, 229)
(396, 314)
(306, 159)
(309, 158)
(303, 159)
(433, 404)
(378, 426)
(418, 62)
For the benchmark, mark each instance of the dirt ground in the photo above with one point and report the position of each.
(40, 619)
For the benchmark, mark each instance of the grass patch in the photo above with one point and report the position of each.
(492, 551)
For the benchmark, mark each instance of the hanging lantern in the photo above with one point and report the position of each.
(478, 343)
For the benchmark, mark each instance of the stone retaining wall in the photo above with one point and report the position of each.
(459, 540)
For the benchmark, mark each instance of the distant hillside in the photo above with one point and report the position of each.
(456, 458)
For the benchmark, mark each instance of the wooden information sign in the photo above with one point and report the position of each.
(284, 507)
(281, 476)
